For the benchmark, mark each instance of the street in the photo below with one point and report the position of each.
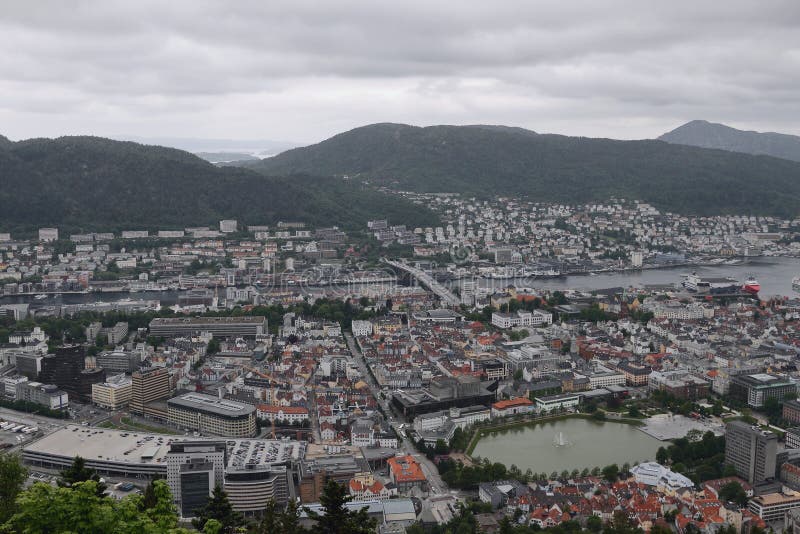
(428, 468)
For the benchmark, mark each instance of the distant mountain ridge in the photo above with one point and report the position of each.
(88, 183)
(495, 160)
(712, 135)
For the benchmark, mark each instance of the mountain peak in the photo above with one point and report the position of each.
(704, 134)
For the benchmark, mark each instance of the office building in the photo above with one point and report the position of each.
(679, 383)
(635, 375)
(66, 368)
(772, 507)
(9, 384)
(756, 388)
(250, 487)
(87, 378)
(113, 394)
(148, 386)
(219, 327)
(751, 451)
(29, 365)
(47, 395)
(117, 333)
(793, 437)
(212, 415)
(119, 361)
(441, 394)
(194, 469)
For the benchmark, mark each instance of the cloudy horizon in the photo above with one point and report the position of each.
(300, 72)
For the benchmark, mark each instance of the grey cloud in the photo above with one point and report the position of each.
(305, 70)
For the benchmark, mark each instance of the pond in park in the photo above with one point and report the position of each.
(568, 444)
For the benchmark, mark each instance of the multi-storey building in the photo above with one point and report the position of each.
(149, 385)
(283, 414)
(119, 361)
(635, 375)
(521, 318)
(757, 388)
(406, 473)
(791, 411)
(47, 395)
(361, 328)
(209, 414)
(773, 507)
(793, 437)
(219, 327)
(48, 234)
(751, 451)
(520, 405)
(117, 333)
(194, 469)
(114, 393)
(679, 383)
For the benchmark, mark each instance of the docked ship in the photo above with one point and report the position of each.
(796, 284)
(751, 285)
(699, 284)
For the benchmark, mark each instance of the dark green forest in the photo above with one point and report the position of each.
(91, 183)
(494, 160)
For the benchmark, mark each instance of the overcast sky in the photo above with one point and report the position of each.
(302, 71)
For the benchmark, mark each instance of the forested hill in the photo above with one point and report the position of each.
(492, 160)
(86, 183)
(711, 135)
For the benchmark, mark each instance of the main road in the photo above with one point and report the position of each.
(428, 468)
(427, 280)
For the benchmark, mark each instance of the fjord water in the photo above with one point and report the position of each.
(775, 275)
(589, 444)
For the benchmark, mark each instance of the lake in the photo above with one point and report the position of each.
(588, 443)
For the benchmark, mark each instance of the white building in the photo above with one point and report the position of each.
(655, 474)
(361, 328)
(228, 226)
(554, 402)
(521, 318)
(48, 234)
(194, 469)
(286, 414)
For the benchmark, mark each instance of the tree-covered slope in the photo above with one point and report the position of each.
(498, 160)
(711, 135)
(95, 183)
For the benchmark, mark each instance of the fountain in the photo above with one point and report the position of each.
(560, 441)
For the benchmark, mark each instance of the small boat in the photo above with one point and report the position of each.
(796, 284)
(40, 296)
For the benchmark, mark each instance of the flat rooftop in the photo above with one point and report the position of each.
(211, 404)
(170, 321)
(142, 448)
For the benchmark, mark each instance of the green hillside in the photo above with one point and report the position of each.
(90, 183)
(488, 160)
